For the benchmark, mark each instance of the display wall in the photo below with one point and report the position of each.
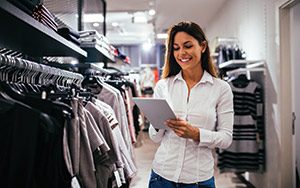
(253, 22)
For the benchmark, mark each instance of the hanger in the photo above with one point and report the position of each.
(240, 81)
(94, 83)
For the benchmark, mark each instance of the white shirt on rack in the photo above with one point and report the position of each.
(210, 108)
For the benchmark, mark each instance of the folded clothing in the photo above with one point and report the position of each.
(42, 14)
(72, 39)
(65, 31)
(27, 6)
(93, 34)
(44, 21)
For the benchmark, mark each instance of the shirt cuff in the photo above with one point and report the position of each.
(205, 137)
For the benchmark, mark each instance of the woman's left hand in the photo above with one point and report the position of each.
(183, 129)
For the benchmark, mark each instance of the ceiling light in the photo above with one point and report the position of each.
(162, 35)
(139, 19)
(151, 12)
(88, 18)
(96, 24)
(147, 46)
(151, 3)
(73, 62)
(115, 24)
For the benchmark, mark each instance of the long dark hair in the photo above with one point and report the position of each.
(171, 67)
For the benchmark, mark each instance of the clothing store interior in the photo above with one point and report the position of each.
(72, 71)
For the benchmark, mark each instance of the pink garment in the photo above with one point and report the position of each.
(129, 106)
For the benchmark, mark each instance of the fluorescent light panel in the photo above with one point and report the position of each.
(162, 35)
(139, 19)
(88, 18)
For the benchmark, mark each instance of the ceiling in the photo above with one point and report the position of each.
(168, 12)
(122, 12)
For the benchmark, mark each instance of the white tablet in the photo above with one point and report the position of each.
(157, 111)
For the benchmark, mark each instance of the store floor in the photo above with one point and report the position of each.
(144, 152)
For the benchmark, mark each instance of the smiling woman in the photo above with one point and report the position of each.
(187, 52)
(204, 110)
(192, 38)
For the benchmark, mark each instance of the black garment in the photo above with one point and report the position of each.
(147, 91)
(135, 111)
(69, 34)
(31, 148)
(68, 31)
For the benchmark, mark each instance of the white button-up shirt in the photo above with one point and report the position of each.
(210, 108)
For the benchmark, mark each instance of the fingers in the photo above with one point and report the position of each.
(177, 125)
(176, 122)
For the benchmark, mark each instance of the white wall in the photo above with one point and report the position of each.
(253, 23)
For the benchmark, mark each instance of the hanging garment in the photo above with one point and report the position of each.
(31, 148)
(246, 152)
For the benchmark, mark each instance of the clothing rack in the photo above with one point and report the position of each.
(94, 67)
(85, 69)
(9, 52)
(227, 40)
(245, 70)
(245, 66)
(254, 70)
(24, 71)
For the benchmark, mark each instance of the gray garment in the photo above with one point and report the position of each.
(130, 168)
(66, 149)
(113, 97)
(110, 97)
(110, 117)
(108, 127)
(124, 127)
(104, 169)
(74, 137)
(95, 136)
(86, 163)
(67, 155)
(106, 130)
(244, 146)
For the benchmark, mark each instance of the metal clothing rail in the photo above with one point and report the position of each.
(227, 40)
(248, 67)
(86, 69)
(24, 71)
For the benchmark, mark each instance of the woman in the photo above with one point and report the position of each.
(204, 108)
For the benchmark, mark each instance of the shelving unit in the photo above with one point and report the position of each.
(23, 33)
(241, 64)
(98, 54)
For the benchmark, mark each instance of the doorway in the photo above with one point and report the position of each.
(295, 65)
(288, 14)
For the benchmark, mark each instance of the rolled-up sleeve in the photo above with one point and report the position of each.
(156, 136)
(222, 136)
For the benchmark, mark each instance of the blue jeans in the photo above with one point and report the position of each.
(156, 181)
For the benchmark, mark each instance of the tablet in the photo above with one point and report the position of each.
(157, 111)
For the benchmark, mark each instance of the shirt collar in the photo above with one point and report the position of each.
(205, 78)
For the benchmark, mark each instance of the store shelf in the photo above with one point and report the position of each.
(241, 64)
(239, 70)
(98, 54)
(21, 32)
